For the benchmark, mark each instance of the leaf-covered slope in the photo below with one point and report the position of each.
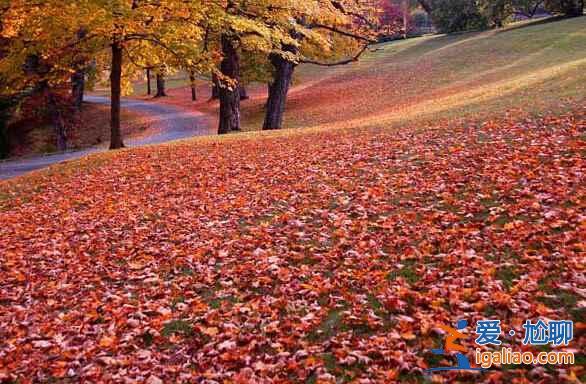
(314, 257)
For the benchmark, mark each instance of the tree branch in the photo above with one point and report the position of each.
(342, 32)
(342, 62)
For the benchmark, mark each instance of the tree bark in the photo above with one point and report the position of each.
(229, 93)
(148, 76)
(279, 88)
(404, 10)
(57, 121)
(243, 93)
(215, 88)
(78, 87)
(575, 8)
(193, 87)
(426, 5)
(160, 85)
(115, 92)
(571, 8)
(5, 112)
(78, 77)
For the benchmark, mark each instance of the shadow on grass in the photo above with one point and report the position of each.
(533, 23)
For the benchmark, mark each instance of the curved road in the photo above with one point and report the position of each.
(170, 123)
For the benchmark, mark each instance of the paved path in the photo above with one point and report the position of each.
(169, 123)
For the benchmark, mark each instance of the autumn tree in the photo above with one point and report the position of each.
(288, 33)
(39, 57)
(243, 27)
(316, 35)
(49, 32)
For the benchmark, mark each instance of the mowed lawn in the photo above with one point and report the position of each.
(321, 255)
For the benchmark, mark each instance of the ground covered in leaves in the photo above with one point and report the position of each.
(319, 257)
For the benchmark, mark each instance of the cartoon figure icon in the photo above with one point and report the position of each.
(450, 345)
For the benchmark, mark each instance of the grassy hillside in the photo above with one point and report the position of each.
(525, 66)
(319, 255)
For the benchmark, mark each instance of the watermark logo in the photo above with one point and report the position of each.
(488, 332)
(450, 346)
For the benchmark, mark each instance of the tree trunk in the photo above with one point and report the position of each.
(193, 87)
(78, 87)
(278, 89)
(405, 9)
(571, 8)
(215, 88)
(160, 85)
(229, 93)
(57, 121)
(575, 8)
(148, 76)
(243, 93)
(426, 5)
(78, 77)
(5, 112)
(115, 91)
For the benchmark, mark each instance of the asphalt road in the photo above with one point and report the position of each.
(169, 123)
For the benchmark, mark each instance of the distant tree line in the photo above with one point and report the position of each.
(461, 15)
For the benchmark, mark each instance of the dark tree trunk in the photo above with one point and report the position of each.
(148, 76)
(533, 10)
(78, 77)
(278, 89)
(115, 91)
(229, 93)
(426, 5)
(243, 93)
(5, 113)
(193, 87)
(57, 120)
(574, 8)
(498, 12)
(160, 85)
(571, 8)
(78, 87)
(215, 88)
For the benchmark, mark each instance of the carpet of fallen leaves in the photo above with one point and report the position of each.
(318, 258)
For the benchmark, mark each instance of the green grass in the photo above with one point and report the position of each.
(177, 327)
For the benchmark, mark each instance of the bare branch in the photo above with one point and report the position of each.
(342, 62)
(342, 32)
